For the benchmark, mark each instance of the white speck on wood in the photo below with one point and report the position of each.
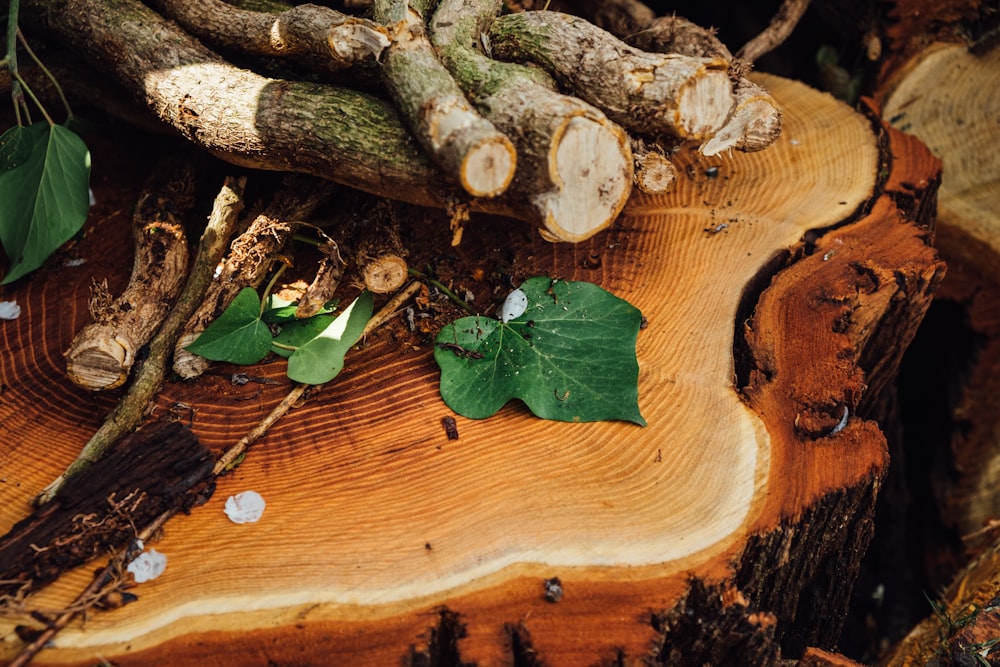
(9, 310)
(246, 507)
(147, 566)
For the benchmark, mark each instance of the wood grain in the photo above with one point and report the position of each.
(375, 519)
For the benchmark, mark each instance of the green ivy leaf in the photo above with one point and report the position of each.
(238, 336)
(322, 358)
(279, 311)
(570, 356)
(44, 173)
(296, 333)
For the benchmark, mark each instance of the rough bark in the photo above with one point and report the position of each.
(684, 96)
(384, 541)
(318, 37)
(466, 145)
(951, 435)
(103, 353)
(562, 143)
(755, 119)
(160, 467)
(321, 290)
(344, 135)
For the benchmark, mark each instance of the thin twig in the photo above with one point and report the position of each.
(129, 412)
(391, 307)
(45, 70)
(781, 26)
(111, 573)
(103, 580)
(232, 455)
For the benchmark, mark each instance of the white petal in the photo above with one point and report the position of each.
(513, 306)
(147, 565)
(9, 310)
(246, 507)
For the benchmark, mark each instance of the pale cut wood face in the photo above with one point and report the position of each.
(949, 98)
(372, 511)
(940, 97)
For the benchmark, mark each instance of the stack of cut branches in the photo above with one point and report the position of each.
(538, 115)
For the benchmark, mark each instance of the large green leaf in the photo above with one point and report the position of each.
(296, 333)
(322, 358)
(238, 335)
(44, 173)
(570, 356)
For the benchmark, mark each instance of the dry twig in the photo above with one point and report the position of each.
(130, 410)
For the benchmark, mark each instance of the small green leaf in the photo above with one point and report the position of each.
(322, 358)
(570, 356)
(238, 335)
(279, 311)
(44, 173)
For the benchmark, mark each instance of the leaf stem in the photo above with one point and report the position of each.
(51, 77)
(270, 286)
(306, 239)
(38, 103)
(464, 305)
(233, 456)
(10, 60)
(282, 346)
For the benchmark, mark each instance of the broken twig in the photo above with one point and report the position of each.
(149, 376)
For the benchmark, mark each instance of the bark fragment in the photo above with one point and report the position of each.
(159, 467)
(320, 291)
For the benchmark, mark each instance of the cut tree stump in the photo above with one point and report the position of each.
(780, 289)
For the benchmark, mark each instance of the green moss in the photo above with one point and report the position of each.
(513, 38)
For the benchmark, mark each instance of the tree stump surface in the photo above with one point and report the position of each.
(780, 290)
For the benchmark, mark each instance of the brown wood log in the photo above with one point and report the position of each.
(465, 144)
(319, 37)
(352, 138)
(780, 289)
(102, 353)
(684, 96)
